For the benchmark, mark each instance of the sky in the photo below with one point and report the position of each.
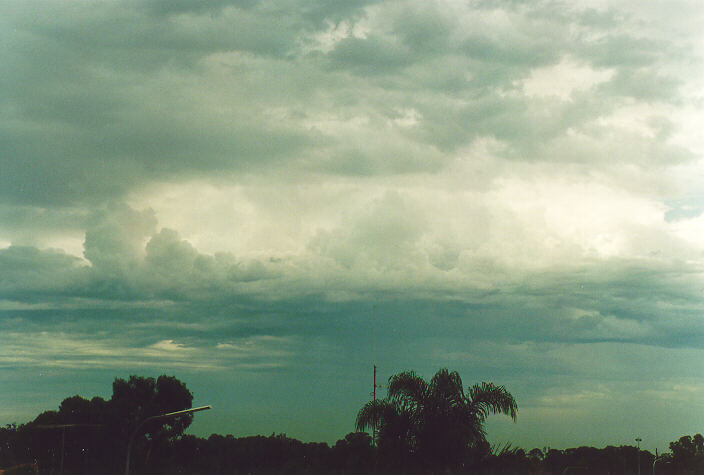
(266, 198)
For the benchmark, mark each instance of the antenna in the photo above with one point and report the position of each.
(374, 385)
(374, 395)
(374, 332)
(374, 388)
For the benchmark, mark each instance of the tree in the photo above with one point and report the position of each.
(90, 436)
(354, 453)
(433, 423)
(138, 398)
(688, 453)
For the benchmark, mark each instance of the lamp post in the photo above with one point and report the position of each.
(153, 418)
(655, 460)
(638, 441)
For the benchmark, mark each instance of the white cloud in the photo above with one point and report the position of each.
(563, 79)
(326, 40)
(54, 349)
(168, 345)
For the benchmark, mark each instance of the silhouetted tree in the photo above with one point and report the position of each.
(423, 426)
(354, 454)
(137, 398)
(610, 460)
(433, 423)
(95, 432)
(506, 459)
(688, 454)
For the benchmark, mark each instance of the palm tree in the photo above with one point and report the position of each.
(433, 423)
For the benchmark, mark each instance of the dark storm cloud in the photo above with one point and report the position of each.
(128, 260)
(31, 275)
(370, 56)
(90, 103)
(99, 101)
(171, 7)
(24, 223)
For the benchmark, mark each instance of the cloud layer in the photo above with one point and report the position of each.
(284, 191)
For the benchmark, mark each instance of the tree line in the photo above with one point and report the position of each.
(420, 427)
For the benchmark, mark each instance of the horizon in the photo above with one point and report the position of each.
(265, 199)
(495, 441)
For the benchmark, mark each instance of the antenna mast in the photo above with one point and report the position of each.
(374, 395)
(374, 388)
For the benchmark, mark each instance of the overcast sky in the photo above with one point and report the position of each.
(265, 198)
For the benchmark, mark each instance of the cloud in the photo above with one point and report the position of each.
(408, 236)
(385, 234)
(31, 275)
(562, 79)
(57, 348)
(241, 185)
(208, 97)
(115, 241)
(168, 345)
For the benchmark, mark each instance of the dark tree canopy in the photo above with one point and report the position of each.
(98, 430)
(137, 398)
(424, 428)
(434, 423)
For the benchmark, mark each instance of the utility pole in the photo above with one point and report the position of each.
(374, 388)
(638, 441)
(374, 398)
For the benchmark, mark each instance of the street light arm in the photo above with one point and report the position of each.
(185, 411)
(656, 460)
(152, 418)
(166, 416)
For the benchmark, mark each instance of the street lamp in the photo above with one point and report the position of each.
(638, 441)
(153, 418)
(657, 459)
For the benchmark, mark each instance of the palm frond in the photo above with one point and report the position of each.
(504, 450)
(488, 398)
(447, 385)
(373, 414)
(408, 387)
(435, 422)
